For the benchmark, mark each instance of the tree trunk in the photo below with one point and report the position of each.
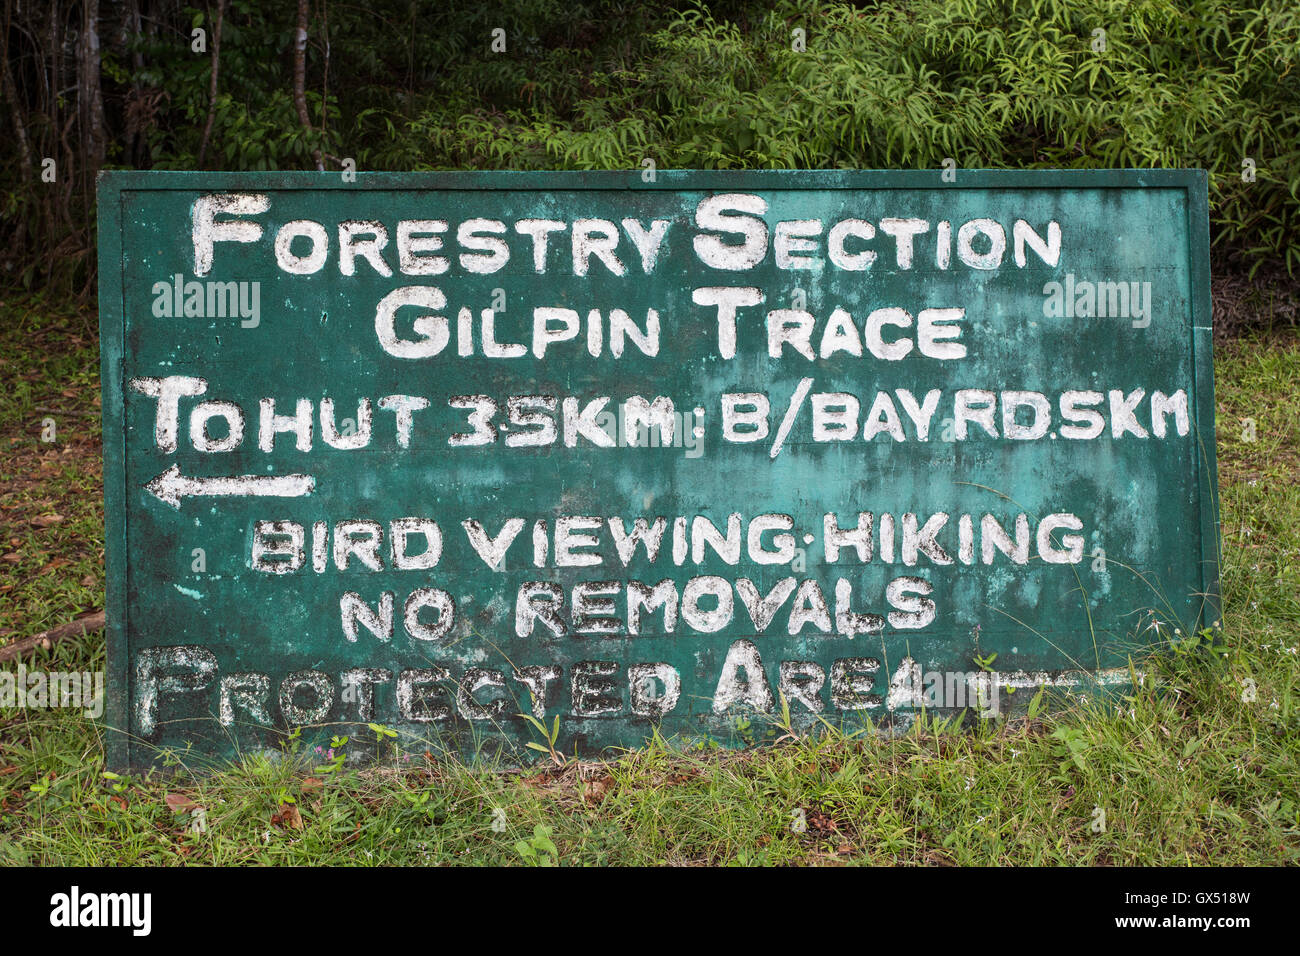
(92, 119)
(56, 146)
(300, 77)
(56, 67)
(131, 37)
(212, 84)
(15, 106)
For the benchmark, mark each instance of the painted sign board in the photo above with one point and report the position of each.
(434, 451)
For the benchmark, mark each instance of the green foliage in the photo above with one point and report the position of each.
(550, 736)
(610, 84)
(538, 850)
(255, 125)
(986, 83)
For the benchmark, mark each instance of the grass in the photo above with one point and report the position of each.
(1203, 772)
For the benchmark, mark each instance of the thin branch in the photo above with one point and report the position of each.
(46, 639)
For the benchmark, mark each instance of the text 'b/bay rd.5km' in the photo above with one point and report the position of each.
(435, 451)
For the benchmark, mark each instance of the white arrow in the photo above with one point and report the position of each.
(907, 686)
(171, 486)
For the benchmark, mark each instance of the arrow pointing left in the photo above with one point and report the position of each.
(171, 486)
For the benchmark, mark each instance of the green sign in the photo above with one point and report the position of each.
(635, 450)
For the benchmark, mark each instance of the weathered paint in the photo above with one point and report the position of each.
(898, 422)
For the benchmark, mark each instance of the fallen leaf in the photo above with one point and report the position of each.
(179, 803)
(594, 791)
(88, 581)
(819, 822)
(55, 564)
(12, 558)
(288, 818)
(312, 783)
(45, 521)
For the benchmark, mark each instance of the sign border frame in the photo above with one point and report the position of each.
(113, 184)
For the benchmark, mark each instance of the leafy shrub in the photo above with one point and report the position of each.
(987, 83)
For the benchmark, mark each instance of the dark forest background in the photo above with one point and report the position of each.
(551, 84)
